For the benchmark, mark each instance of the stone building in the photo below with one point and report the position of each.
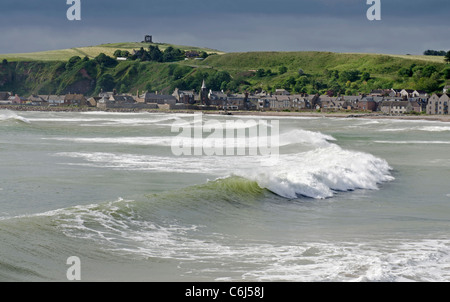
(159, 98)
(438, 104)
(185, 96)
(75, 100)
(398, 107)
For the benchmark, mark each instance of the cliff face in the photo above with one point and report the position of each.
(6, 75)
(25, 78)
(86, 77)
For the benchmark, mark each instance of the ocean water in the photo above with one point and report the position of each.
(346, 199)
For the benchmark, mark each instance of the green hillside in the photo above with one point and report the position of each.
(315, 61)
(82, 70)
(318, 71)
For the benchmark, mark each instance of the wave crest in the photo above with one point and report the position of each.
(322, 172)
(314, 166)
(7, 115)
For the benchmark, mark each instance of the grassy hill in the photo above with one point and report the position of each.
(93, 51)
(302, 72)
(310, 68)
(314, 59)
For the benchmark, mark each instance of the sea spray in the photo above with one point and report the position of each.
(322, 172)
(314, 165)
(318, 173)
(7, 115)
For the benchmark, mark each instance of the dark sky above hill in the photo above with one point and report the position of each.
(406, 26)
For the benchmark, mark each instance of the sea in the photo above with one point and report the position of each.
(336, 199)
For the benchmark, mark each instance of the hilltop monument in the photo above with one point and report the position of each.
(148, 39)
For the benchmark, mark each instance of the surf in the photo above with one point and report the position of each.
(7, 115)
(314, 166)
(321, 173)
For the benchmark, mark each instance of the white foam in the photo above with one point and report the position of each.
(60, 119)
(114, 113)
(435, 128)
(296, 136)
(102, 121)
(389, 261)
(118, 228)
(186, 142)
(412, 142)
(321, 172)
(300, 136)
(10, 115)
(418, 128)
(369, 122)
(189, 164)
(109, 118)
(394, 129)
(144, 141)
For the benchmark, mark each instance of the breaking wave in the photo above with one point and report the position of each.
(308, 164)
(322, 172)
(318, 173)
(7, 115)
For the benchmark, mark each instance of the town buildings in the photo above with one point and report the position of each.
(383, 101)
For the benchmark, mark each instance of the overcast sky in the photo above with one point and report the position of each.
(406, 26)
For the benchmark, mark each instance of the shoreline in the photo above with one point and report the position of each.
(437, 118)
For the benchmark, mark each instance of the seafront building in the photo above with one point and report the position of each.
(383, 101)
(438, 104)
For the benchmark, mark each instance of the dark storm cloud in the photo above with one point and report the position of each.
(407, 26)
(197, 8)
(132, 8)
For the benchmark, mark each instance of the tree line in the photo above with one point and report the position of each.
(154, 54)
(431, 52)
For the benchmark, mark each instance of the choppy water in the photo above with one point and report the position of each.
(348, 200)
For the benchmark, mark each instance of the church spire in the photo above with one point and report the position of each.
(204, 94)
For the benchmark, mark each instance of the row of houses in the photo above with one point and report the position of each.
(387, 101)
(8, 98)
